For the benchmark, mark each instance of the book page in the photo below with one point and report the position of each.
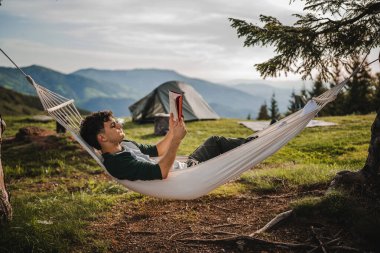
(175, 104)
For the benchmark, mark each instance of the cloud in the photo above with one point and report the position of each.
(192, 37)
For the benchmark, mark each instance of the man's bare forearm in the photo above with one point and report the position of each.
(168, 158)
(177, 132)
(163, 144)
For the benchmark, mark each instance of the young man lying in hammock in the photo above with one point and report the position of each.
(126, 159)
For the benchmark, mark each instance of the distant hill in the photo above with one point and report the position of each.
(82, 89)
(117, 105)
(282, 95)
(226, 101)
(14, 103)
(71, 86)
(95, 89)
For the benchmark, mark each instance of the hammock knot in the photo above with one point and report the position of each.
(31, 81)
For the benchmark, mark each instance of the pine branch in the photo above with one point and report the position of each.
(314, 42)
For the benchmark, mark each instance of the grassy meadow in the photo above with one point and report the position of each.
(57, 190)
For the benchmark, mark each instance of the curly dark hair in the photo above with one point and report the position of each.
(92, 125)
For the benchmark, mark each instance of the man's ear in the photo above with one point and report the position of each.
(101, 137)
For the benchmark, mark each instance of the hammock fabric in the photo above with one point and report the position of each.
(193, 182)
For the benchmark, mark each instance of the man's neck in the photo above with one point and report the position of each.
(111, 148)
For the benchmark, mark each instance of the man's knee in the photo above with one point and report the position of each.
(213, 140)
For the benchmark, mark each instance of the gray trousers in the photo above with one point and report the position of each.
(214, 146)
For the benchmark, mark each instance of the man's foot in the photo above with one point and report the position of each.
(191, 162)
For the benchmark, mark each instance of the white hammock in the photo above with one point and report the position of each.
(199, 180)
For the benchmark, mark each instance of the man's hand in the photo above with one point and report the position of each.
(171, 121)
(179, 130)
(171, 124)
(164, 144)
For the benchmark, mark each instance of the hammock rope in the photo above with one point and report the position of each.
(196, 181)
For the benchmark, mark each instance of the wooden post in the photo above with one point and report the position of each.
(59, 128)
(5, 206)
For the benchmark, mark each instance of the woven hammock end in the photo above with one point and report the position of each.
(30, 80)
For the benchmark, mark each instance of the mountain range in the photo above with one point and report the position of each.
(95, 89)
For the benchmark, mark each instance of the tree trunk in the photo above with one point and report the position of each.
(367, 180)
(5, 206)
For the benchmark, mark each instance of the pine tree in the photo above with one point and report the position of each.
(359, 90)
(273, 110)
(296, 102)
(304, 92)
(336, 107)
(327, 31)
(263, 113)
(292, 107)
(318, 87)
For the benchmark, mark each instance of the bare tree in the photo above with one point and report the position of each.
(5, 206)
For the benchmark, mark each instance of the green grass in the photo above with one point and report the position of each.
(52, 222)
(314, 156)
(56, 192)
(14, 123)
(58, 155)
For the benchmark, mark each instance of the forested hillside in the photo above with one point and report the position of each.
(14, 103)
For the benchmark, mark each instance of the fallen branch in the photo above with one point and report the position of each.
(345, 248)
(225, 233)
(178, 233)
(228, 225)
(143, 232)
(316, 237)
(333, 241)
(279, 218)
(251, 240)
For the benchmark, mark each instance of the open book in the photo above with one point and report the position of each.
(175, 104)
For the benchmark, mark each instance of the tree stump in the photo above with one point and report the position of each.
(5, 206)
(161, 124)
(59, 128)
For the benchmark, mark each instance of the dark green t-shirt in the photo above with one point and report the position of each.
(128, 164)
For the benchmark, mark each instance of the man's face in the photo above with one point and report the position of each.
(113, 131)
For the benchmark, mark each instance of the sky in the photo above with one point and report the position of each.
(193, 37)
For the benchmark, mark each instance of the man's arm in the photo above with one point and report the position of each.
(164, 144)
(178, 133)
(125, 166)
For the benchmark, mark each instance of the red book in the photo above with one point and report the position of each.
(175, 104)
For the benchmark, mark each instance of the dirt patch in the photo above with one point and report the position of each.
(41, 139)
(30, 132)
(153, 225)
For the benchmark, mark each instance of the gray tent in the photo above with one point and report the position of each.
(194, 106)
